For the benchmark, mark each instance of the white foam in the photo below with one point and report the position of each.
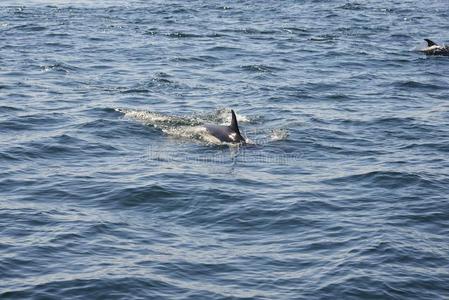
(224, 117)
(145, 116)
(192, 132)
(185, 127)
(278, 134)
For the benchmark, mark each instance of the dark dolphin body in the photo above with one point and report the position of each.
(229, 134)
(434, 49)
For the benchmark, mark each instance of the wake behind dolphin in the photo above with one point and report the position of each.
(218, 128)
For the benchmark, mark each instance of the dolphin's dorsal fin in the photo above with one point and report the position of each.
(234, 126)
(430, 43)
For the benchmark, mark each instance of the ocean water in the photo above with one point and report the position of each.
(109, 189)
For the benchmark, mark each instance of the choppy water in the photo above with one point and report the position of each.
(106, 193)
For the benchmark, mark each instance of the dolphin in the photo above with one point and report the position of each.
(229, 134)
(435, 49)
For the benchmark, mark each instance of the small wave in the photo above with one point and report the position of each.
(8, 157)
(97, 124)
(201, 58)
(59, 67)
(143, 196)
(151, 32)
(338, 96)
(259, 68)
(58, 45)
(29, 27)
(323, 38)
(57, 34)
(135, 91)
(223, 48)
(417, 85)
(401, 37)
(296, 30)
(258, 31)
(382, 179)
(352, 6)
(441, 147)
(179, 35)
(30, 122)
(4, 108)
(158, 81)
(252, 31)
(90, 286)
(394, 121)
(63, 145)
(161, 75)
(384, 121)
(184, 10)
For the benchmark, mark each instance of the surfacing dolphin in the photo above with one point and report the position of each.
(435, 49)
(228, 134)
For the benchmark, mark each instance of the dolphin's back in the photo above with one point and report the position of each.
(228, 134)
(223, 133)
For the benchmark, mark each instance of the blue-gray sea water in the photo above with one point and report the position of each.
(110, 190)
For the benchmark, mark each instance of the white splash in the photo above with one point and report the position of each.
(278, 134)
(186, 127)
(145, 117)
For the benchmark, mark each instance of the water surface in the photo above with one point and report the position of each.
(344, 194)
